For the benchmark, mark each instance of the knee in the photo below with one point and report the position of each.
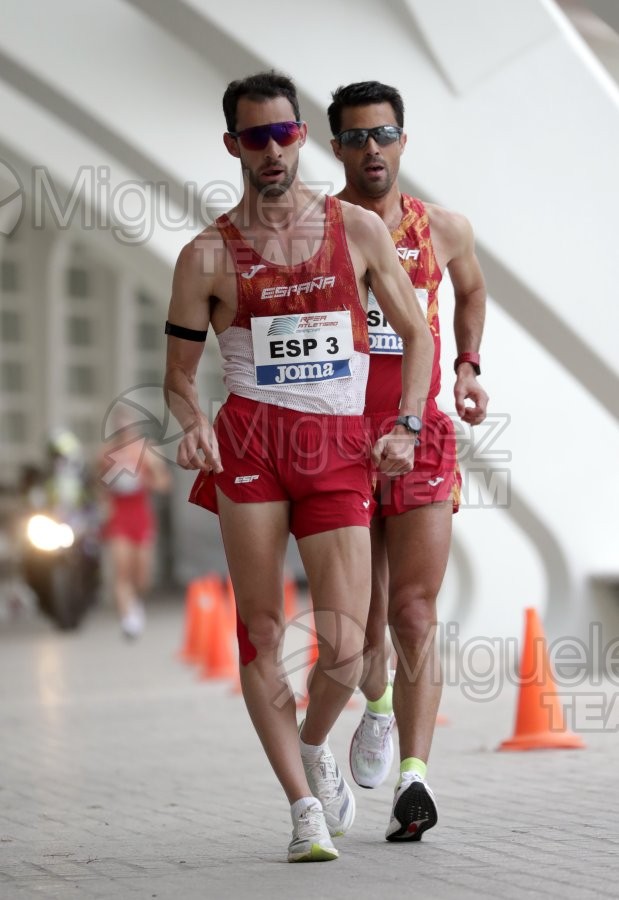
(265, 631)
(341, 641)
(412, 616)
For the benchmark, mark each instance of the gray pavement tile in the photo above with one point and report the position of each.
(123, 775)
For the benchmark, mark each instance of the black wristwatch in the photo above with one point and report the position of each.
(411, 423)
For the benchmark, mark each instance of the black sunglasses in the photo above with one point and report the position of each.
(256, 138)
(358, 137)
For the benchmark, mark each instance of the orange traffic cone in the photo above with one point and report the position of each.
(290, 599)
(539, 718)
(190, 652)
(218, 660)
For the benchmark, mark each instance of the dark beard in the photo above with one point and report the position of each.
(272, 190)
(375, 189)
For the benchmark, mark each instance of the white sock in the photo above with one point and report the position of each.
(301, 805)
(312, 751)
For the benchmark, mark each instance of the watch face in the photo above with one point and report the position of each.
(413, 423)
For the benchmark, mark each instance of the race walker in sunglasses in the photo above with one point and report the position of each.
(382, 135)
(411, 526)
(257, 138)
(283, 280)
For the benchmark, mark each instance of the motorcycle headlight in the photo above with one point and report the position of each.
(46, 534)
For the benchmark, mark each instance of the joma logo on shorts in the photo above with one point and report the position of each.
(407, 253)
(245, 479)
(286, 290)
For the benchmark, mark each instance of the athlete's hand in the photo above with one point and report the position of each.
(468, 388)
(199, 449)
(394, 453)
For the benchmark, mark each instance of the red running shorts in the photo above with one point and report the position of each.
(318, 463)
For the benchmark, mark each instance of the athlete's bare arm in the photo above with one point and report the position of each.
(454, 245)
(368, 234)
(199, 276)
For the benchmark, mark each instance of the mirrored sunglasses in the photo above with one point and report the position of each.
(358, 137)
(283, 133)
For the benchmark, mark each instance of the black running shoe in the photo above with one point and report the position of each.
(414, 809)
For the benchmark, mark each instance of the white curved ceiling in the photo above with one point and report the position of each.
(510, 119)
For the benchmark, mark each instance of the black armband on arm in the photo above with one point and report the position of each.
(188, 334)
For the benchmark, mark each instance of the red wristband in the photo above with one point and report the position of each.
(472, 358)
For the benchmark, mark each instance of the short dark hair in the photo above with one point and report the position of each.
(262, 86)
(363, 93)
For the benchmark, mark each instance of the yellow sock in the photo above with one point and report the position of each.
(412, 764)
(384, 705)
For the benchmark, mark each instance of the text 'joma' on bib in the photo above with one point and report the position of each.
(302, 348)
(383, 339)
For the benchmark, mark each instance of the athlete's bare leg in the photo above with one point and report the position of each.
(143, 568)
(255, 537)
(378, 645)
(121, 556)
(417, 548)
(337, 564)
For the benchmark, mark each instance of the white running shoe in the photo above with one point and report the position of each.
(414, 809)
(310, 837)
(132, 624)
(371, 749)
(327, 784)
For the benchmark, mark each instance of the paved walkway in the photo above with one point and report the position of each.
(124, 776)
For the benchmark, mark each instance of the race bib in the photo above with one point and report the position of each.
(302, 348)
(383, 339)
